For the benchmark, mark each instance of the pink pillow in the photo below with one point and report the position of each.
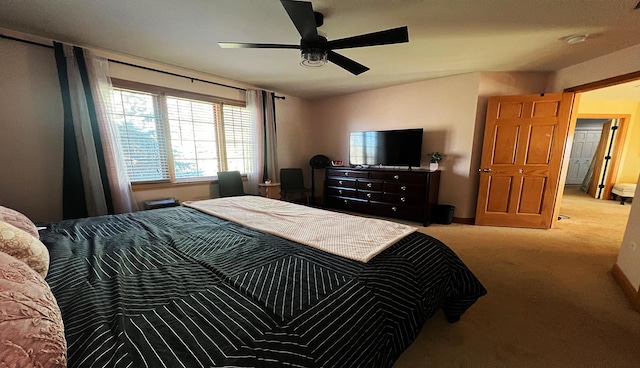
(18, 220)
(23, 246)
(31, 329)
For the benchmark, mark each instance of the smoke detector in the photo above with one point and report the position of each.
(573, 39)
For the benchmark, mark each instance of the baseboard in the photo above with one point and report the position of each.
(464, 220)
(629, 291)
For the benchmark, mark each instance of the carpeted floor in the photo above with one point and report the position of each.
(551, 300)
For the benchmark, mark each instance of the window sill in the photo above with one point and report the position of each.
(177, 184)
(151, 186)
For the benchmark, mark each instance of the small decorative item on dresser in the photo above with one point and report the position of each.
(434, 160)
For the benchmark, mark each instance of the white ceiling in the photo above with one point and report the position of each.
(447, 37)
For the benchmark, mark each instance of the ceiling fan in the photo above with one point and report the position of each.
(315, 49)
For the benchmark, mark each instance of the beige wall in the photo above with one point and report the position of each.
(445, 108)
(295, 135)
(618, 63)
(629, 255)
(31, 127)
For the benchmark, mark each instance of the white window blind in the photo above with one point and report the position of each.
(142, 135)
(194, 142)
(166, 138)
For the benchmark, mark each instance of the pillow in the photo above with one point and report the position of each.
(18, 220)
(31, 329)
(23, 246)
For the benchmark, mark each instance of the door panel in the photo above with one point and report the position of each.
(505, 153)
(522, 159)
(532, 195)
(539, 148)
(498, 196)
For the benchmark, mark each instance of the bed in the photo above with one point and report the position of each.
(180, 287)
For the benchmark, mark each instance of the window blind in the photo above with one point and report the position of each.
(194, 141)
(142, 134)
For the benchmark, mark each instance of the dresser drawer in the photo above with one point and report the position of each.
(400, 211)
(402, 188)
(344, 183)
(372, 196)
(348, 173)
(399, 176)
(369, 185)
(347, 203)
(403, 199)
(341, 192)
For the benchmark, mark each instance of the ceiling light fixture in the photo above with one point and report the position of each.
(313, 58)
(573, 39)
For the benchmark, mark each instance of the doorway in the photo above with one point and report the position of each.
(613, 105)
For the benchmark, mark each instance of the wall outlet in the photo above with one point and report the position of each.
(633, 246)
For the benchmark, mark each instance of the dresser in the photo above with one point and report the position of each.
(404, 194)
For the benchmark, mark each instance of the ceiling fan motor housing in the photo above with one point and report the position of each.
(321, 43)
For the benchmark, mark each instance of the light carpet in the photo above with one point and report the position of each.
(551, 300)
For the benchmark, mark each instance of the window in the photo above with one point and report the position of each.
(168, 137)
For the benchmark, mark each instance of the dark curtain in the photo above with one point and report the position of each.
(268, 100)
(74, 202)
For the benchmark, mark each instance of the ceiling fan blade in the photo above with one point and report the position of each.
(389, 36)
(344, 62)
(301, 14)
(239, 45)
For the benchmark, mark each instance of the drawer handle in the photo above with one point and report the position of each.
(403, 199)
(394, 209)
(339, 191)
(368, 195)
(340, 182)
(345, 201)
(403, 187)
(346, 174)
(396, 177)
(368, 185)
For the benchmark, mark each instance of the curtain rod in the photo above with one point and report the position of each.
(139, 66)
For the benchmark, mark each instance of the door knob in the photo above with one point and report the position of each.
(487, 170)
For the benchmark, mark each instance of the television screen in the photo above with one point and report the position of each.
(386, 147)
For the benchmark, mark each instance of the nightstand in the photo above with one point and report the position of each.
(271, 190)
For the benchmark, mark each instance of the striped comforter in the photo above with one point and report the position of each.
(176, 287)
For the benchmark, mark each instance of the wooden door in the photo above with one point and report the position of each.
(522, 157)
(582, 151)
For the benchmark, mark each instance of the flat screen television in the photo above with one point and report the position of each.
(386, 147)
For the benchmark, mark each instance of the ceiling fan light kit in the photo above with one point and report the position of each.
(315, 50)
(313, 58)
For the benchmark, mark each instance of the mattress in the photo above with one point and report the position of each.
(176, 287)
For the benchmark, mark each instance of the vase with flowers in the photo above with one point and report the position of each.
(434, 160)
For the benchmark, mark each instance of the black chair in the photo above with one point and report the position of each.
(292, 181)
(230, 184)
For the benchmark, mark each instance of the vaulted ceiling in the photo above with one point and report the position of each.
(447, 37)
